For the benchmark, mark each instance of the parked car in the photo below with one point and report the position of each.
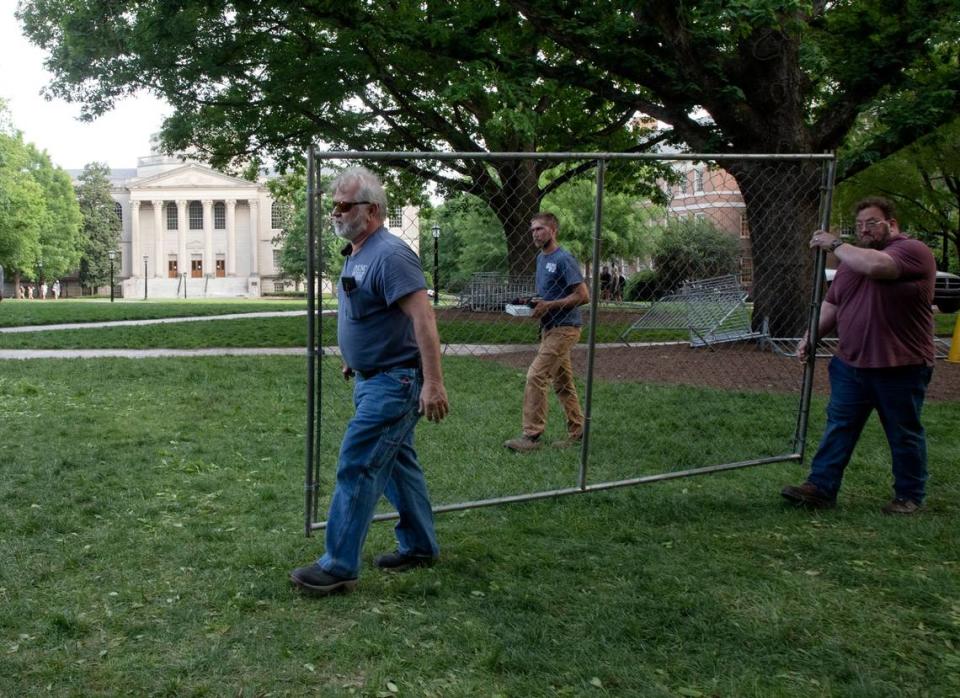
(946, 290)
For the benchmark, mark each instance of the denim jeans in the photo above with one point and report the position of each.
(377, 457)
(897, 395)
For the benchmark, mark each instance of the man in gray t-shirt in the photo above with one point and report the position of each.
(388, 340)
(562, 291)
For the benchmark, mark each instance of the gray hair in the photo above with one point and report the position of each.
(367, 185)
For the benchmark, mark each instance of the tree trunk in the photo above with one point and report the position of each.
(515, 203)
(782, 205)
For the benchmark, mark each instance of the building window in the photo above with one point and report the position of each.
(746, 271)
(700, 216)
(744, 227)
(171, 216)
(196, 215)
(682, 186)
(277, 214)
(698, 180)
(118, 209)
(220, 216)
(276, 259)
(396, 217)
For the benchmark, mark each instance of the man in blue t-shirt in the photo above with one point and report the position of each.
(388, 340)
(561, 292)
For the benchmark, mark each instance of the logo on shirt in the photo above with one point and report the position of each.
(359, 270)
(551, 267)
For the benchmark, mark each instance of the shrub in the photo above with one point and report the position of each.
(641, 286)
(693, 249)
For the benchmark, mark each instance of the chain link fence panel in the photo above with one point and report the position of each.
(701, 283)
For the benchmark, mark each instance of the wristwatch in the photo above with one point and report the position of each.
(835, 244)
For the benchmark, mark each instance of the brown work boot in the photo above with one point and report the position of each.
(808, 495)
(901, 506)
(524, 443)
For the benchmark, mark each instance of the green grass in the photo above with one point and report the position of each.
(17, 313)
(151, 510)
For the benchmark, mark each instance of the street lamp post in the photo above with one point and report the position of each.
(145, 277)
(112, 254)
(435, 229)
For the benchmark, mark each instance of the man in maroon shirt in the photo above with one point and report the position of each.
(879, 303)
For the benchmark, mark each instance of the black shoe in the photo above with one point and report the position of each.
(808, 495)
(902, 506)
(316, 581)
(398, 562)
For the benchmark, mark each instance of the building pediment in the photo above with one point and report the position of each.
(191, 176)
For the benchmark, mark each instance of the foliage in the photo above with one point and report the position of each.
(471, 241)
(923, 180)
(61, 240)
(629, 230)
(101, 227)
(22, 209)
(398, 76)
(693, 249)
(641, 286)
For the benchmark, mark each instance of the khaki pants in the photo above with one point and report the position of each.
(552, 365)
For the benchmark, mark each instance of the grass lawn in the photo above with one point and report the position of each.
(150, 512)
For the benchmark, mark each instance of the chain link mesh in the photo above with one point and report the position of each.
(702, 287)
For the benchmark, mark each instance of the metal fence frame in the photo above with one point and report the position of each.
(314, 350)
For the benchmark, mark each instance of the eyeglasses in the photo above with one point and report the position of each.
(870, 223)
(345, 206)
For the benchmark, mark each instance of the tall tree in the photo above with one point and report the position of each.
(249, 80)
(22, 210)
(101, 226)
(766, 76)
(60, 238)
(923, 180)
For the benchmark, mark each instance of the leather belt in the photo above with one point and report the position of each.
(367, 375)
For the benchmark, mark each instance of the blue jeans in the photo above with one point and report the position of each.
(897, 395)
(377, 457)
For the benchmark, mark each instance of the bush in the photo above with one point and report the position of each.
(693, 249)
(641, 286)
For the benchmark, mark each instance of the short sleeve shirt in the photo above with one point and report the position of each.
(557, 275)
(887, 323)
(372, 330)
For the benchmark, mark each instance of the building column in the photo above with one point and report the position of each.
(134, 238)
(183, 261)
(254, 236)
(159, 236)
(209, 266)
(231, 237)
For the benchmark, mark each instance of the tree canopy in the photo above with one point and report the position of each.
(250, 80)
(39, 217)
(101, 226)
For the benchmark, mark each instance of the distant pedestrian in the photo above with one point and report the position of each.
(43, 291)
(56, 290)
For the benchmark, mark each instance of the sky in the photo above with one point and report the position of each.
(117, 138)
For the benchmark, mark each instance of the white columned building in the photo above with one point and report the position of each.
(201, 232)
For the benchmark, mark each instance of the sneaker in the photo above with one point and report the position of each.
(314, 580)
(902, 506)
(808, 495)
(568, 442)
(398, 562)
(524, 443)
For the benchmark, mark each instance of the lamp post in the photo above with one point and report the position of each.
(145, 258)
(112, 254)
(435, 229)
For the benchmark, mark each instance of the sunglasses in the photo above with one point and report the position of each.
(345, 206)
